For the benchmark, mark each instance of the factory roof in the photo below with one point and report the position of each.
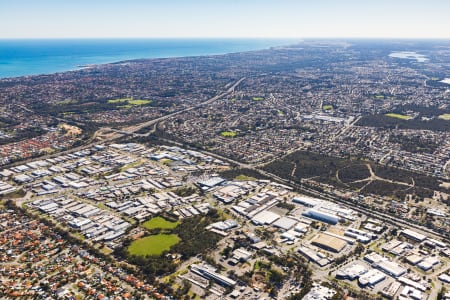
(351, 271)
(391, 268)
(372, 277)
(328, 242)
(414, 235)
(285, 223)
(265, 218)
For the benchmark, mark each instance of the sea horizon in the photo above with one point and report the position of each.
(30, 57)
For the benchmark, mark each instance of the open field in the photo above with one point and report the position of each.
(130, 101)
(230, 134)
(244, 178)
(159, 222)
(327, 107)
(153, 245)
(128, 106)
(444, 117)
(398, 116)
(139, 102)
(132, 165)
(119, 100)
(257, 98)
(71, 130)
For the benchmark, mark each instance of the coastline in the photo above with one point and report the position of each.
(34, 57)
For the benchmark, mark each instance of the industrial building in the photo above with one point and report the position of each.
(371, 278)
(329, 242)
(428, 263)
(397, 247)
(301, 227)
(413, 235)
(411, 293)
(432, 243)
(319, 292)
(444, 278)
(314, 256)
(414, 259)
(287, 236)
(374, 257)
(417, 285)
(360, 235)
(390, 290)
(391, 268)
(209, 272)
(306, 201)
(242, 255)
(285, 223)
(210, 182)
(265, 217)
(351, 272)
(229, 193)
(6, 188)
(224, 225)
(321, 216)
(323, 210)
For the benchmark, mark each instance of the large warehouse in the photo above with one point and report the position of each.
(321, 216)
(371, 278)
(329, 242)
(391, 268)
(351, 272)
(285, 223)
(413, 235)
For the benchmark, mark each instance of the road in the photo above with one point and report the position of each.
(346, 128)
(394, 220)
(133, 129)
(374, 177)
(111, 134)
(447, 166)
(301, 187)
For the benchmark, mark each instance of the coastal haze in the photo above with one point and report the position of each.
(135, 164)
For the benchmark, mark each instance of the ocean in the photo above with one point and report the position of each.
(45, 56)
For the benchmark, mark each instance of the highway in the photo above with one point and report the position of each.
(394, 220)
(132, 130)
(111, 134)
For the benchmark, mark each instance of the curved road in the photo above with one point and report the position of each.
(133, 129)
(394, 220)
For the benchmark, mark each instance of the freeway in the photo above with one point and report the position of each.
(302, 187)
(111, 134)
(132, 130)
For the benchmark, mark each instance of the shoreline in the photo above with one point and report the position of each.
(37, 57)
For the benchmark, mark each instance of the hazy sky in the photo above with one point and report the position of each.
(224, 18)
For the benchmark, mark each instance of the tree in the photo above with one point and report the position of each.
(185, 287)
(276, 277)
(441, 294)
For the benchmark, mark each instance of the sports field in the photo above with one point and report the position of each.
(159, 222)
(130, 101)
(398, 116)
(153, 245)
(257, 98)
(444, 117)
(230, 134)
